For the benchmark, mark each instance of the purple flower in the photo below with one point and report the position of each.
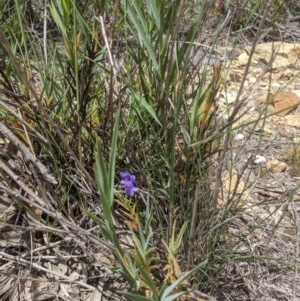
(127, 182)
(127, 176)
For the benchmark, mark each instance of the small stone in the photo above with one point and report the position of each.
(259, 159)
(230, 97)
(238, 137)
(243, 59)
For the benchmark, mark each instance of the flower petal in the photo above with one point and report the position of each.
(127, 181)
(125, 175)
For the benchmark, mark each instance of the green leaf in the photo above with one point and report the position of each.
(173, 297)
(103, 184)
(134, 297)
(176, 243)
(175, 284)
(140, 13)
(147, 277)
(105, 177)
(196, 106)
(66, 12)
(140, 25)
(153, 8)
(142, 102)
(112, 158)
(57, 19)
(128, 266)
(83, 25)
(107, 232)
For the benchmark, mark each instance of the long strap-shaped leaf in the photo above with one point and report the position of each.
(165, 294)
(138, 19)
(105, 175)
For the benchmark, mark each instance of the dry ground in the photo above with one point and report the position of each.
(266, 174)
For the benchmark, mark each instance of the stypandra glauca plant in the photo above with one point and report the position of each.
(137, 262)
(70, 113)
(118, 100)
(172, 107)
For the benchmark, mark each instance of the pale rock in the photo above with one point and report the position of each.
(259, 159)
(230, 97)
(297, 92)
(276, 166)
(252, 79)
(282, 55)
(233, 186)
(268, 129)
(243, 59)
(239, 137)
(293, 120)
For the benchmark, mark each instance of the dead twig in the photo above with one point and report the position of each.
(28, 263)
(27, 154)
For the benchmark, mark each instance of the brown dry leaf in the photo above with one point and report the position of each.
(36, 290)
(281, 103)
(267, 98)
(58, 269)
(276, 166)
(275, 214)
(285, 102)
(293, 55)
(11, 238)
(173, 271)
(105, 259)
(6, 282)
(7, 211)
